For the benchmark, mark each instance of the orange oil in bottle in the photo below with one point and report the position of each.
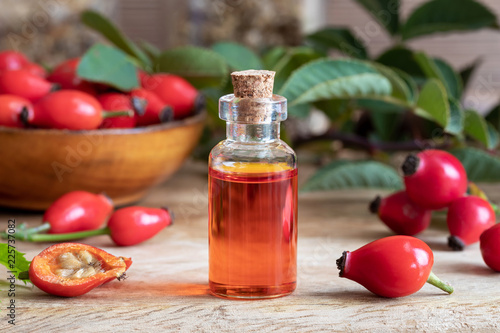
(252, 230)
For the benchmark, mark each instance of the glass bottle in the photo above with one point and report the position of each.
(252, 195)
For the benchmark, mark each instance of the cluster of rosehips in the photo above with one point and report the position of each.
(73, 269)
(400, 265)
(31, 97)
(434, 180)
(81, 214)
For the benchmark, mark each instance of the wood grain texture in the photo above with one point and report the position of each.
(39, 166)
(167, 285)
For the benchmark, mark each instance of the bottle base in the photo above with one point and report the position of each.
(250, 292)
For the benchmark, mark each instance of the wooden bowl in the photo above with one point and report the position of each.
(37, 165)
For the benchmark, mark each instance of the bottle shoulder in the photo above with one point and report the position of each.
(272, 152)
(235, 146)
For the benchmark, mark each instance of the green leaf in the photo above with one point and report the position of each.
(480, 165)
(467, 72)
(272, 56)
(439, 69)
(329, 79)
(383, 104)
(385, 11)
(400, 88)
(107, 64)
(403, 59)
(476, 127)
(340, 39)
(237, 56)
(293, 59)
(101, 24)
(386, 124)
(493, 136)
(456, 122)
(433, 103)
(201, 67)
(13, 260)
(410, 82)
(447, 15)
(450, 78)
(342, 174)
(335, 109)
(493, 117)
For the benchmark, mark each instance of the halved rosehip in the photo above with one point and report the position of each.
(73, 269)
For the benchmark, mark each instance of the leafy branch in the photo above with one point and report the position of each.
(402, 99)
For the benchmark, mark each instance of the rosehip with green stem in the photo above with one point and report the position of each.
(126, 226)
(490, 247)
(114, 102)
(394, 266)
(400, 214)
(73, 212)
(78, 211)
(73, 110)
(434, 178)
(467, 218)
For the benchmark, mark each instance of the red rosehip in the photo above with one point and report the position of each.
(133, 225)
(71, 109)
(12, 60)
(173, 90)
(78, 211)
(15, 111)
(65, 75)
(117, 102)
(434, 178)
(35, 69)
(393, 266)
(467, 218)
(155, 110)
(490, 247)
(400, 214)
(24, 84)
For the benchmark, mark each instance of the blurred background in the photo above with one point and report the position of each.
(49, 31)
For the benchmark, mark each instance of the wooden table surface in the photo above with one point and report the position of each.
(166, 289)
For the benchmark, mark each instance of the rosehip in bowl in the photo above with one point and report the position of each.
(114, 102)
(66, 76)
(71, 109)
(15, 111)
(173, 90)
(155, 110)
(12, 60)
(25, 84)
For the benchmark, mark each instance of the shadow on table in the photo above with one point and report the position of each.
(155, 289)
(476, 269)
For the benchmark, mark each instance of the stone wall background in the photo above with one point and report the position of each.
(48, 31)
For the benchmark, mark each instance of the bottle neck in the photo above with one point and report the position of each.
(253, 133)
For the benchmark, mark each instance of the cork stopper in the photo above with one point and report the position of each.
(253, 83)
